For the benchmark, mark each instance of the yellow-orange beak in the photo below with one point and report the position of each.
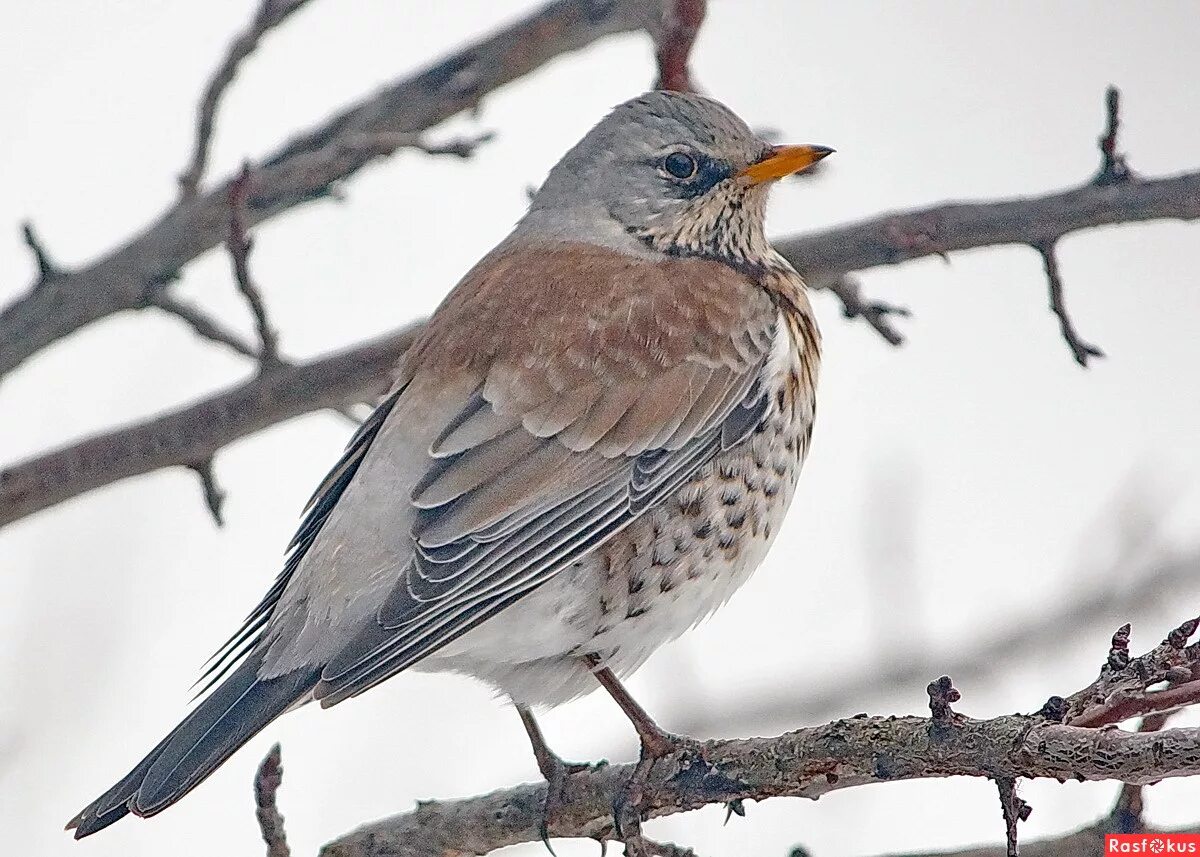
(781, 161)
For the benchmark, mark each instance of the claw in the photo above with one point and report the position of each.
(628, 809)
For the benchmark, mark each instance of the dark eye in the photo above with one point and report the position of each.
(680, 165)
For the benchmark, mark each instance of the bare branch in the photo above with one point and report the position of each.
(266, 786)
(1123, 689)
(305, 169)
(204, 325)
(805, 763)
(214, 497)
(194, 432)
(239, 244)
(270, 14)
(1114, 169)
(808, 763)
(1082, 351)
(46, 268)
(1126, 816)
(681, 22)
(897, 238)
(1014, 810)
(53, 477)
(385, 143)
(875, 313)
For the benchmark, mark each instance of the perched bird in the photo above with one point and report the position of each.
(588, 449)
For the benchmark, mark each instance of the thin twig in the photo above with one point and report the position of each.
(877, 314)
(270, 14)
(1082, 351)
(201, 428)
(200, 322)
(46, 268)
(239, 244)
(270, 821)
(214, 497)
(383, 143)
(1014, 810)
(1122, 691)
(681, 22)
(1114, 168)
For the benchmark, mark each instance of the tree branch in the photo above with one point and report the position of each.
(304, 169)
(1114, 169)
(812, 762)
(239, 244)
(674, 39)
(46, 268)
(195, 432)
(805, 763)
(214, 497)
(1080, 350)
(270, 14)
(266, 786)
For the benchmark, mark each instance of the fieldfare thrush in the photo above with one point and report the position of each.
(590, 446)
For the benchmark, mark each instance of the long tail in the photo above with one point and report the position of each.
(229, 717)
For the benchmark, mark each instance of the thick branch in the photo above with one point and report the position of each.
(896, 238)
(195, 432)
(804, 763)
(303, 170)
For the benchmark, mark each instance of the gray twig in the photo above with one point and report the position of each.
(383, 143)
(1082, 351)
(1014, 810)
(46, 268)
(270, 14)
(266, 785)
(878, 314)
(200, 322)
(1114, 168)
(214, 497)
(239, 244)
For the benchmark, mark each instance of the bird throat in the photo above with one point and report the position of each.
(725, 225)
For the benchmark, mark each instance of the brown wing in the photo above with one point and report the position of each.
(601, 384)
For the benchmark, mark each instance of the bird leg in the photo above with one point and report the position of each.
(553, 769)
(656, 743)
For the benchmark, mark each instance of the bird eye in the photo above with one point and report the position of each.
(680, 164)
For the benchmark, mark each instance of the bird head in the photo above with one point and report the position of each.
(680, 173)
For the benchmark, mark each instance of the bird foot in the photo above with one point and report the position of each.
(630, 806)
(557, 773)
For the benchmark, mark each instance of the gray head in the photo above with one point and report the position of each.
(681, 173)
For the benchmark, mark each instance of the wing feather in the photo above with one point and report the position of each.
(602, 398)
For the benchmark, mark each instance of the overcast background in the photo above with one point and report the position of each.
(971, 481)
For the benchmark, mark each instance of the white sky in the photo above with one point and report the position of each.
(995, 457)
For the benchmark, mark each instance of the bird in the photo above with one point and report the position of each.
(589, 447)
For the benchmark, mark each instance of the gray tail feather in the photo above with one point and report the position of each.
(229, 717)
